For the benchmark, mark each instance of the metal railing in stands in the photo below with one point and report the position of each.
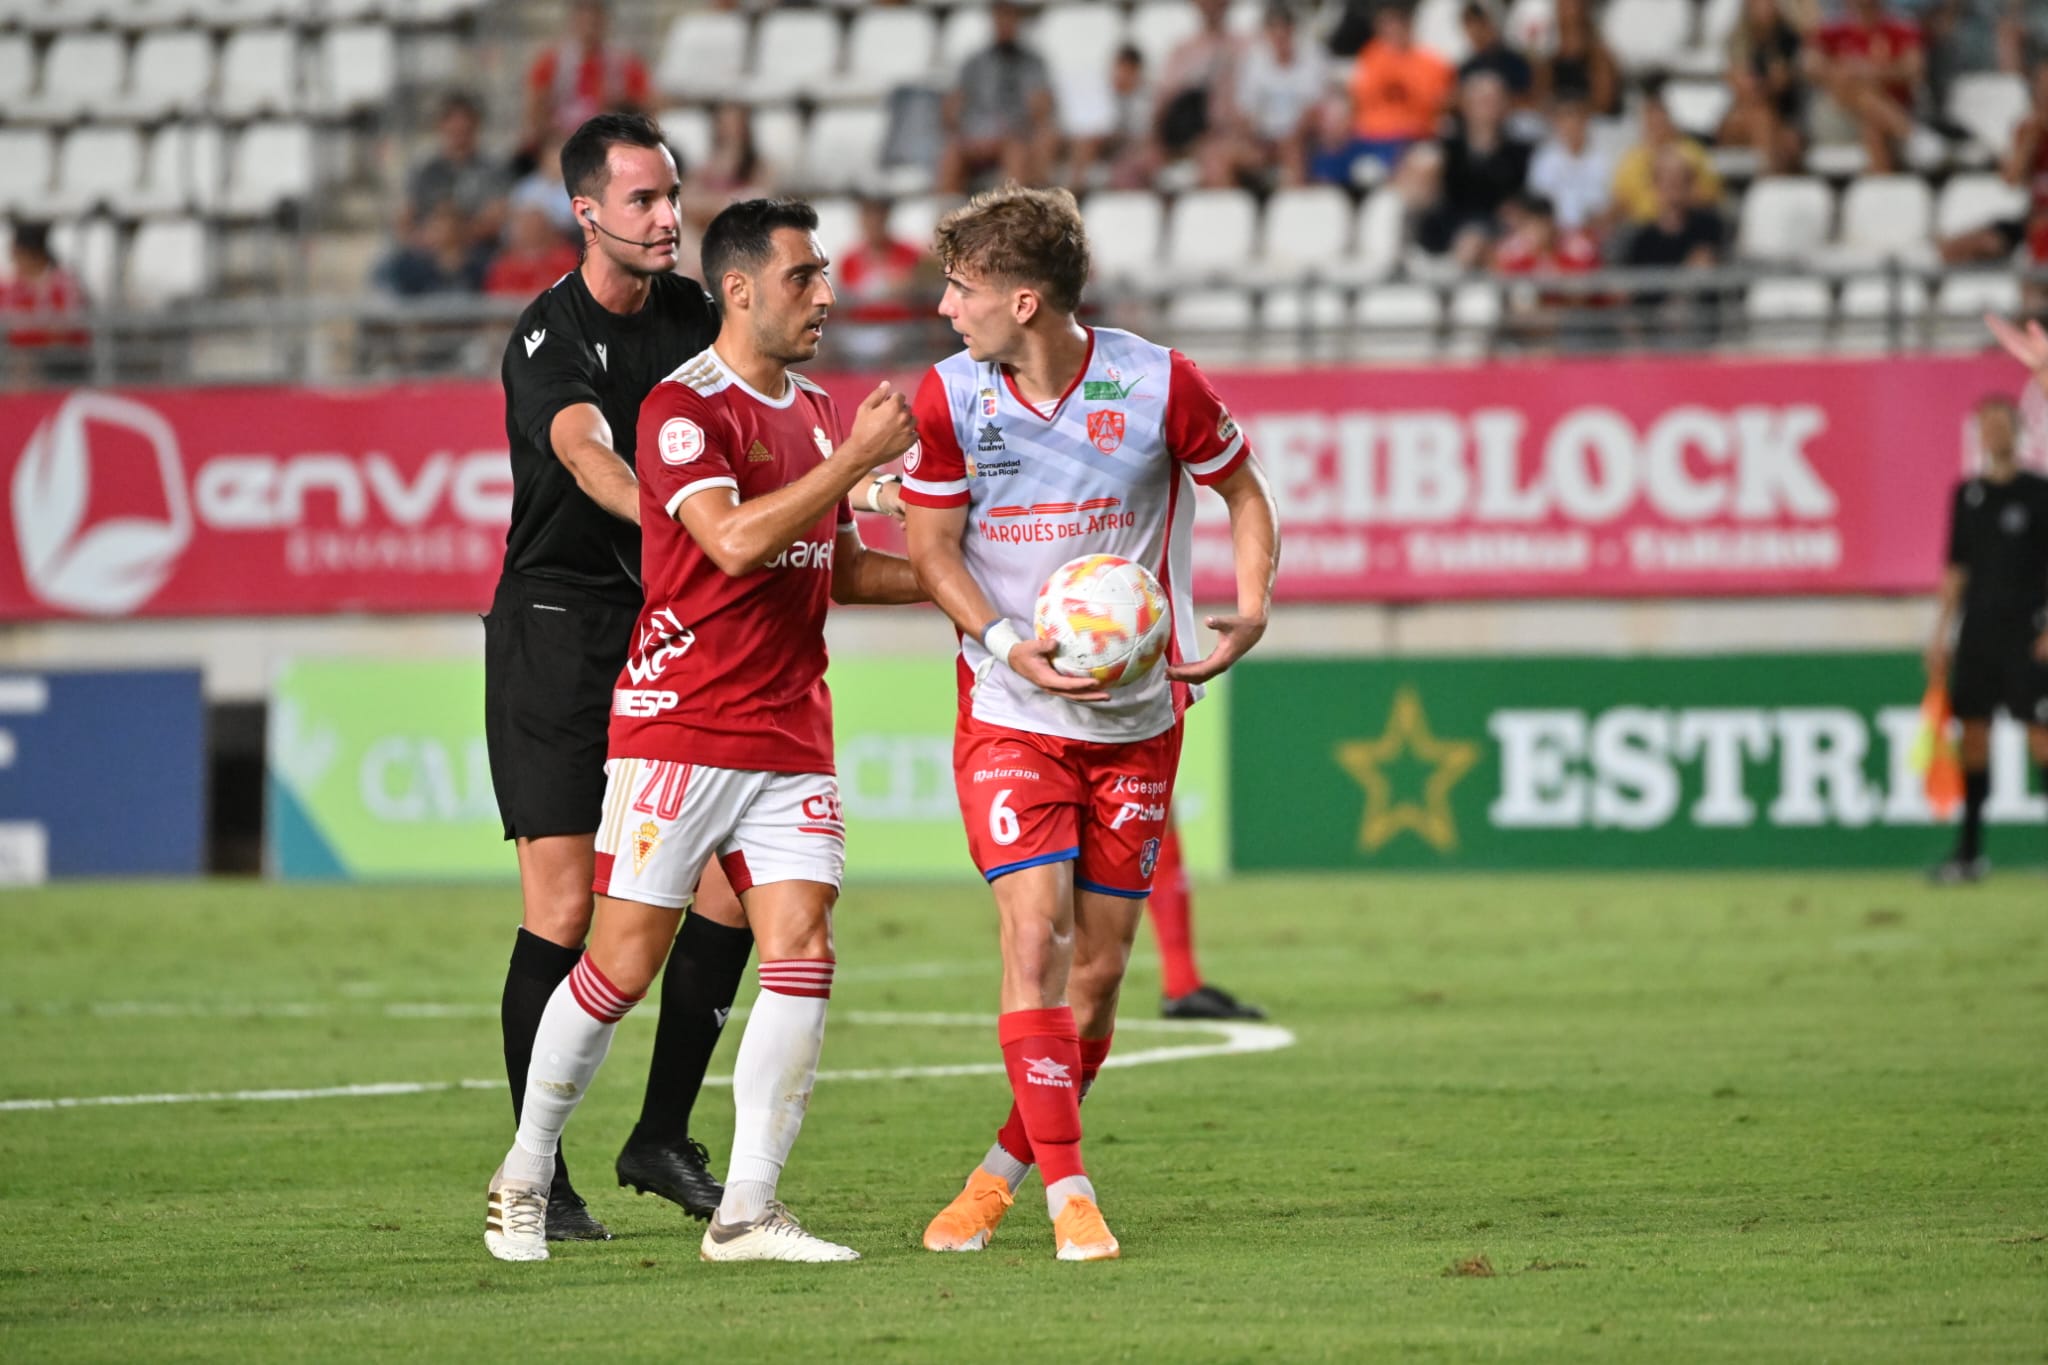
(1772, 310)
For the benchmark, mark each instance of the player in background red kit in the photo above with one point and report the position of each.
(1083, 441)
(721, 734)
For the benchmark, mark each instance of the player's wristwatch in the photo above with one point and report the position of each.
(875, 489)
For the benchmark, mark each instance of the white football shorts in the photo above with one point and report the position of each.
(664, 820)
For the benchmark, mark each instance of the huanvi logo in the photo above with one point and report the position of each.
(113, 566)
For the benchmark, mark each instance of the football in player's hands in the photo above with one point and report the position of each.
(1107, 617)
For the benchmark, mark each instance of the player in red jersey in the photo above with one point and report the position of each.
(1085, 441)
(721, 734)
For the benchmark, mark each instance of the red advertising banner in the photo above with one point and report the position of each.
(1576, 478)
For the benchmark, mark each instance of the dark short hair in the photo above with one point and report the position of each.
(32, 235)
(585, 170)
(742, 237)
(1536, 205)
(1652, 89)
(1998, 400)
(1129, 52)
(459, 102)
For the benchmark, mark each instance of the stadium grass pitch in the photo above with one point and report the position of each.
(1685, 1117)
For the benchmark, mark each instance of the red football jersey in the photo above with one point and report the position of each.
(729, 672)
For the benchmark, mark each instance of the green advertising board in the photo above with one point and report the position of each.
(1709, 762)
(378, 769)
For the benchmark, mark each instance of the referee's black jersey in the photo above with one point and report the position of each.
(1999, 533)
(569, 349)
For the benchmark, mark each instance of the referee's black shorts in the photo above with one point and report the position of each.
(551, 658)
(1999, 671)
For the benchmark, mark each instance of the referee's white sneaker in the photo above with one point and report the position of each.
(516, 1222)
(774, 1236)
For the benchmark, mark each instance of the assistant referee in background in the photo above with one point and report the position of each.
(581, 359)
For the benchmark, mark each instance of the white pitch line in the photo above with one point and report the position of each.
(1238, 1040)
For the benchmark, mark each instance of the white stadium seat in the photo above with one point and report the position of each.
(79, 71)
(1787, 314)
(1784, 217)
(887, 48)
(843, 148)
(1291, 308)
(1382, 237)
(779, 138)
(272, 165)
(1123, 233)
(1210, 233)
(1867, 306)
(703, 54)
(172, 74)
(98, 169)
(838, 225)
(796, 52)
(913, 217)
(168, 262)
(1975, 201)
(185, 171)
(1210, 310)
(1646, 35)
(259, 73)
(1307, 231)
(1886, 217)
(17, 71)
(1440, 28)
(1398, 321)
(1990, 105)
(1157, 28)
(358, 67)
(149, 14)
(1080, 39)
(689, 135)
(91, 248)
(964, 32)
(1698, 106)
(1971, 294)
(234, 14)
(25, 161)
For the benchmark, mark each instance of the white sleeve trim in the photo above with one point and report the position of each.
(1212, 466)
(947, 489)
(684, 493)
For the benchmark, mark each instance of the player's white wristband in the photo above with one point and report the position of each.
(875, 489)
(1000, 638)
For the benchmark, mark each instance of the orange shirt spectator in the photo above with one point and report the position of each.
(1398, 90)
(582, 76)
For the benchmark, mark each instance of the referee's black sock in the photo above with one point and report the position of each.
(1970, 842)
(537, 967)
(704, 972)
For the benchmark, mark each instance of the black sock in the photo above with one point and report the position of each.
(537, 967)
(1976, 788)
(704, 972)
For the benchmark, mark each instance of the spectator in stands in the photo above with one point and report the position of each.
(999, 114)
(2025, 165)
(1535, 245)
(1280, 89)
(884, 282)
(1768, 111)
(1571, 171)
(46, 349)
(1872, 65)
(1194, 100)
(535, 255)
(1636, 195)
(1684, 234)
(440, 260)
(735, 170)
(1125, 147)
(1398, 94)
(1484, 166)
(1490, 52)
(542, 189)
(582, 75)
(1580, 63)
(458, 175)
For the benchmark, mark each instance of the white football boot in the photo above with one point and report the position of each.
(516, 1221)
(774, 1236)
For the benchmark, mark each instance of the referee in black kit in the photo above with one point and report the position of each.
(1997, 580)
(581, 359)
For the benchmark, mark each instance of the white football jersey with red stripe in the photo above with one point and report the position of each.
(1109, 469)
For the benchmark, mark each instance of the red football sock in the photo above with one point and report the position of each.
(1012, 1135)
(1042, 1053)
(1172, 922)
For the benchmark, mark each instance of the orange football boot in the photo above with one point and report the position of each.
(1081, 1233)
(969, 1223)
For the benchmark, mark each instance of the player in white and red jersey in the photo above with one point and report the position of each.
(1042, 441)
(721, 734)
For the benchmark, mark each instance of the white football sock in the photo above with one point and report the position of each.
(771, 1080)
(1060, 1191)
(1007, 1168)
(574, 1034)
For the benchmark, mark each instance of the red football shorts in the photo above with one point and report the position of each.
(1030, 799)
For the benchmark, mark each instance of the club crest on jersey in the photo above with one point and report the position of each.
(988, 402)
(992, 437)
(646, 839)
(822, 441)
(913, 457)
(1106, 430)
(1226, 425)
(1148, 858)
(681, 441)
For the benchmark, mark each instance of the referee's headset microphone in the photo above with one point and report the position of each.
(591, 219)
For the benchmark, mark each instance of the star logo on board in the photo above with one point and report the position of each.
(1407, 736)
